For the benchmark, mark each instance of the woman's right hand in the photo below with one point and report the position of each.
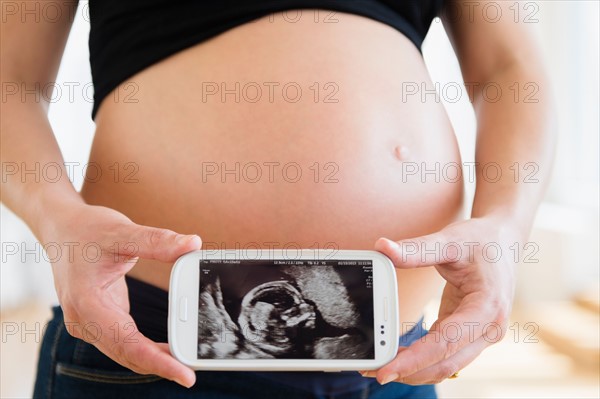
(98, 246)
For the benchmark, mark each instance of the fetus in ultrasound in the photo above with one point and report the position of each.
(304, 313)
(275, 317)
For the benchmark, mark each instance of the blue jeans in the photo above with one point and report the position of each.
(71, 368)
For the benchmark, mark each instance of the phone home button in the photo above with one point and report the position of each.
(183, 308)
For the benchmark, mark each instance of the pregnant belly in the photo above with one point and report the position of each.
(282, 135)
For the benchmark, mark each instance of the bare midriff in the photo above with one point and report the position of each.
(280, 134)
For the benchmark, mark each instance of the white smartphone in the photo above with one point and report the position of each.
(326, 310)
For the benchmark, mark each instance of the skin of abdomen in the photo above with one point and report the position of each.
(283, 135)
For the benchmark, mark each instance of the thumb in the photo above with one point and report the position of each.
(161, 244)
(428, 250)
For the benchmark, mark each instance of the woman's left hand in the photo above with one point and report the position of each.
(476, 257)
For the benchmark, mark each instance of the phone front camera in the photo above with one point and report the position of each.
(382, 343)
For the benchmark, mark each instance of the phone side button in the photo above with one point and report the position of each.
(183, 309)
(385, 309)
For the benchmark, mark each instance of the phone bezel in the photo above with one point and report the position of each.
(183, 335)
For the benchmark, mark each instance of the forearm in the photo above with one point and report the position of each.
(34, 179)
(29, 58)
(516, 136)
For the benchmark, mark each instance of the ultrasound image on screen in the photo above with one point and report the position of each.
(286, 309)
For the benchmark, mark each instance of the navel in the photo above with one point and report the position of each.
(401, 152)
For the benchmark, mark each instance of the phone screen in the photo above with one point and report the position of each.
(286, 309)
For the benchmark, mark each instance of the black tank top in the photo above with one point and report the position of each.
(128, 36)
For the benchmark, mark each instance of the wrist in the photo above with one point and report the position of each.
(509, 209)
(51, 208)
(507, 224)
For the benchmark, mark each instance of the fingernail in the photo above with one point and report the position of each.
(392, 244)
(182, 383)
(389, 378)
(196, 240)
(185, 240)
